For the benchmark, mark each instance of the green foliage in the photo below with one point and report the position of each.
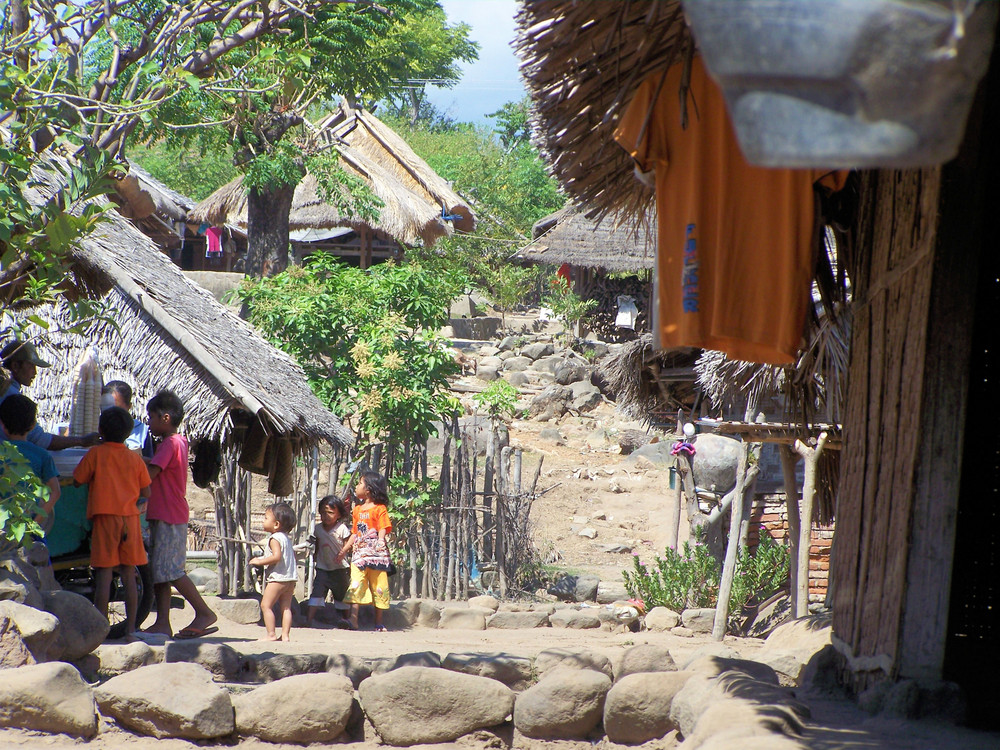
(567, 305)
(500, 172)
(190, 170)
(677, 580)
(690, 578)
(508, 285)
(759, 574)
(350, 194)
(498, 399)
(366, 339)
(409, 502)
(21, 495)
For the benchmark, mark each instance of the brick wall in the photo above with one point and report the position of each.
(769, 514)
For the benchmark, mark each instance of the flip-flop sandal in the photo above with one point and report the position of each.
(381, 629)
(188, 633)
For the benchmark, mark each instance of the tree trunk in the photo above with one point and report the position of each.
(811, 458)
(788, 460)
(267, 231)
(729, 565)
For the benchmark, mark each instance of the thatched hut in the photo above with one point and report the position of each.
(162, 214)
(605, 260)
(249, 405)
(418, 205)
(914, 571)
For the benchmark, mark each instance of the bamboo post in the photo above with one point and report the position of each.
(488, 482)
(788, 460)
(810, 456)
(313, 509)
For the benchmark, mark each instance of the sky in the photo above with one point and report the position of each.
(493, 79)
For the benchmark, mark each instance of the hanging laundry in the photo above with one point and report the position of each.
(734, 257)
(213, 242)
(627, 312)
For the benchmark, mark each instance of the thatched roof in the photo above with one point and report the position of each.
(568, 236)
(582, 62)
(164, 331)
(144, 195)
(647, 381)
(415, 197)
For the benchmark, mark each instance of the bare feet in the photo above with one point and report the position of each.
(285, 638)
(268, 638)
(154, 630)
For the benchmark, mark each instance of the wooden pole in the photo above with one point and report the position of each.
(788, 460)
(313, 508)
(811, 458)
(729, 565)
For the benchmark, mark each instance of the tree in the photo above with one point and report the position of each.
(367, 340)
(426, 51)
(261, 109)
(52, 92)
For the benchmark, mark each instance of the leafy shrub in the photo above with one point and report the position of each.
(690, 578)
(498, 399)
(677, 580)
(21, 495)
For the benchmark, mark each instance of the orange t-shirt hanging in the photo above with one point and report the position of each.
(734, 241)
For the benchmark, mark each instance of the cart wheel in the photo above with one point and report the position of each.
(144, 584)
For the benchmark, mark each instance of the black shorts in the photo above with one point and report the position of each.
(334, 581)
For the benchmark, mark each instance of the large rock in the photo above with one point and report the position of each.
(516, 364)
(609, 592)
(485, 601)
(275, 667)
(81, 627)
(305, 708)
(354, 668)
(114, 659)
(504, 620)
(747, 709)
(657, 454)
(661, 619)
(576, 588)
(38, 630)
(551, 403)
(168, 700)
(700, 620)
(713, 666)
(515, 672)
(690, 701)
(243, 611)
(464, 618)
(637, 708)
(565, 704)
(537, 350)
(715, 462)
(428, 659)
(14, 652)
(790, 647)
(225, 663)
(416, 705)
(19, 582)
(552, 658)
(49, 698)
(574, 619)
(571, 372)
(646, 657)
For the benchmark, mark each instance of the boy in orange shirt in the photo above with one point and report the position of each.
(119, 482)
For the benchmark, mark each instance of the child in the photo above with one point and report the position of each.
(280, 573)
(168, 518)
(332, 574)
(370, 561)
(17, 416)
(119, 483)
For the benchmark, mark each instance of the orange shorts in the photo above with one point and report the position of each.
(116, 540)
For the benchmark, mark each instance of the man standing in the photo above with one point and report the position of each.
(23, 362)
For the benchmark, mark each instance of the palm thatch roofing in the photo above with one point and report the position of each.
(416, 199)
(163, 331)
(144, 196)
(582, 62)
(647, 381)
(568, 236)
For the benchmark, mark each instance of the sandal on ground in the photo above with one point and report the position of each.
(381, 629)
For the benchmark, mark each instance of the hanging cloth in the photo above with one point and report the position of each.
(213, 242)
(627, 312)
(734, 259)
